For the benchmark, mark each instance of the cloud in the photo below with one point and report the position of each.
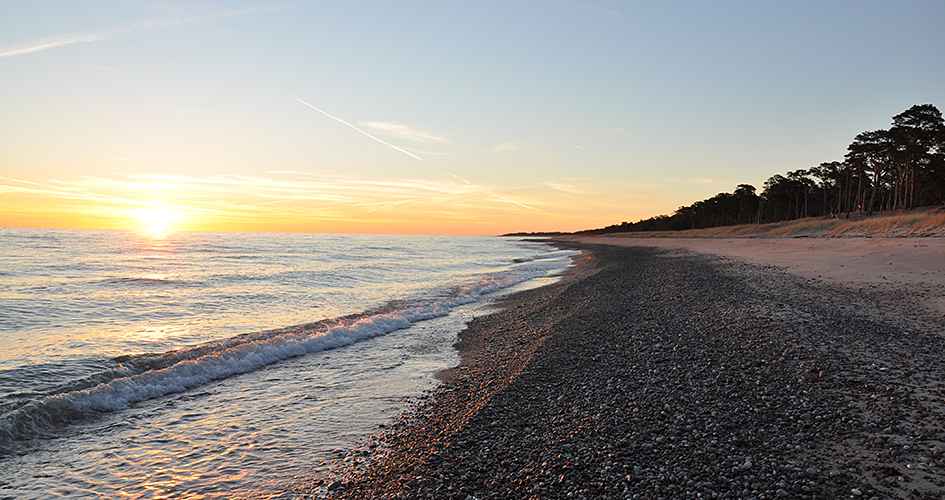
(62, 40)
(73, 191)
(565, 188)
(507, 146)
(274, 193)
(74, 38)
(309, 199)
(104, 68)
(405, 132)
(59, 41)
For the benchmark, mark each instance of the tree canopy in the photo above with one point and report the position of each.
(895, 169)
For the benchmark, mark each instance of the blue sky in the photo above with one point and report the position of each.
(436, 117)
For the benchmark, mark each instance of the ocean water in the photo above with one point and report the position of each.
(224, 365)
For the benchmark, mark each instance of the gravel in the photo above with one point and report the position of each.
(653, 373)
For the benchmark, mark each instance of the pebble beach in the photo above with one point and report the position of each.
(666, 373)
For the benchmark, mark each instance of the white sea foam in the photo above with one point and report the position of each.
(183, 370)
(95, 324)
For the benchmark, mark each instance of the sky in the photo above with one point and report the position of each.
(441, 117)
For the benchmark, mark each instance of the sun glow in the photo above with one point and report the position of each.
(156, 221)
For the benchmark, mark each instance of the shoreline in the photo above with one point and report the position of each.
(664, 373)
(469, 349)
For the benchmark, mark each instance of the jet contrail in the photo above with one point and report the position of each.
(352, 126)
(493, 193)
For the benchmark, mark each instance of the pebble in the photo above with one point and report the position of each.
(660, 374)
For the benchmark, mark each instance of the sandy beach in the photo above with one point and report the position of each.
(912, 266)
(688, 369)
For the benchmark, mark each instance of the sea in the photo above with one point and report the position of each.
(221, 364)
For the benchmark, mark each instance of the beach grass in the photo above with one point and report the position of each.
(922, 222)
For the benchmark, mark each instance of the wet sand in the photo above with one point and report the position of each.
(666, 373)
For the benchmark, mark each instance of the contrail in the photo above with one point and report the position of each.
(493, 193)
(352, 126)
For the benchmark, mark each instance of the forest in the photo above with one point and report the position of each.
(899, 168)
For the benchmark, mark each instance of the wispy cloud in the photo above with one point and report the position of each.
(507, 146)
(306, 200)
(404, 151)
(58, 41)
(290, 193)
(405, 132)
(74, 191)
(104, 68)
(65, 39)
(18, 181)
(74, 38)
(565, 188)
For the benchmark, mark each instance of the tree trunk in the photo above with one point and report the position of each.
(912, 185)
(859, 189)
(849, 195)
(806, 195)
(869, 208)
(839, 196)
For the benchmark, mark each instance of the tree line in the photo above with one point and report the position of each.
(899, 168)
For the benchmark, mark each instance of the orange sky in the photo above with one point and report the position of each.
(444, 118)
(303, 202)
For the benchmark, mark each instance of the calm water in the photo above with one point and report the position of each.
(220, 365)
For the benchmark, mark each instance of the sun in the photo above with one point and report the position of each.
(156, 221)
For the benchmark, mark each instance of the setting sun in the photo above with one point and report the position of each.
(156, 221)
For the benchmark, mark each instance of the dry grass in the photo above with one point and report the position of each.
(922, 222)
(905, 224)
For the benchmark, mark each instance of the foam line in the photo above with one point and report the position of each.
(148, 376)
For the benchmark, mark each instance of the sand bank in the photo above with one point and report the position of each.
(910, 266)
(664, 373)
